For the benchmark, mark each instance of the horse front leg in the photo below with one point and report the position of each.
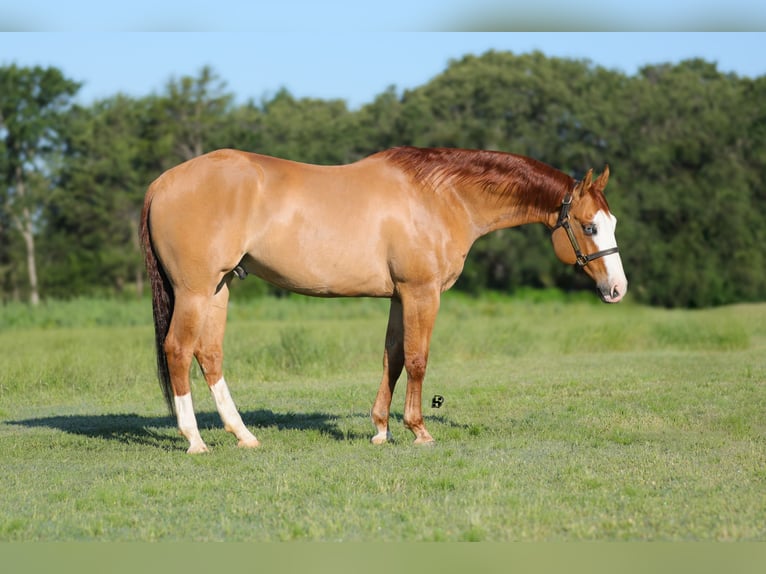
(393, 363)
(419, 315)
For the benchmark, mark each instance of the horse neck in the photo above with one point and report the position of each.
(497, 189)
(506, 190)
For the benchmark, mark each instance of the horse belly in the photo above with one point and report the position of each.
(337, 278)
(326, 266)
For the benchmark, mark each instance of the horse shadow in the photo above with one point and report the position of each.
(160, 431)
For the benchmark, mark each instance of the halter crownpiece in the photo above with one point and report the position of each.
(563, 221)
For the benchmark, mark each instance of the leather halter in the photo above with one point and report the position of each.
(563, 221)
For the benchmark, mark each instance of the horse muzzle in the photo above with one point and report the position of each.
(612, 292)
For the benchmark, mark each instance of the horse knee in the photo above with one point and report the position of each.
(416, 366)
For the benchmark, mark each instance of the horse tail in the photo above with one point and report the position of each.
(162, 301)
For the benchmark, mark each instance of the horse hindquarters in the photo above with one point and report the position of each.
(187, 325)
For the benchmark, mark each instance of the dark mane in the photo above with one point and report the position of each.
(498, 173)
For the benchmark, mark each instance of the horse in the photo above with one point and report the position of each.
(397, 224)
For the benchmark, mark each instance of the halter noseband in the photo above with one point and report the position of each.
(563, 221)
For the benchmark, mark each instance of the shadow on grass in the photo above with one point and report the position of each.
(160, 432)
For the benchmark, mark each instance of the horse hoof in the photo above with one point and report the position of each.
(425, 441)
(249, 443)
(382, 438)
(197, 449)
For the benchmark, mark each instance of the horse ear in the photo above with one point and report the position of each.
(584, 185)
(601, 181)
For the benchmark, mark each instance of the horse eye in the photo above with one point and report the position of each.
(590, 229)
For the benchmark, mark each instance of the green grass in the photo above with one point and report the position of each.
(563, 420)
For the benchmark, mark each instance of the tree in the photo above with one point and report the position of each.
(33, 103)
(376, 126)
(691, 207)
(191, 113)
(306, 129)
(94, 218)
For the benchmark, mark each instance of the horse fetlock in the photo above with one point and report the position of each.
(379, 418)
(414, 423)
(422, 436)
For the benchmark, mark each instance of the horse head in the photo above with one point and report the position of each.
(584, 235)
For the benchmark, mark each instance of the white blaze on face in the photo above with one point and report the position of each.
(605, 239)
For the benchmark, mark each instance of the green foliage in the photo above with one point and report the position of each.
(695, 207)
(686, 145)
(33, 107)
(563, 420)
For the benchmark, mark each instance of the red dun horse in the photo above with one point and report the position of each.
(397, 224)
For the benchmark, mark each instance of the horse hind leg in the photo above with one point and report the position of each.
(209, 355)
(188, 317)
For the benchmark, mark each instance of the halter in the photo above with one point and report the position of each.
(563, 221)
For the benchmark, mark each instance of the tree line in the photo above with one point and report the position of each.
(686, 145)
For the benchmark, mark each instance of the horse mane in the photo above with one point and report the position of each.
(527, 183)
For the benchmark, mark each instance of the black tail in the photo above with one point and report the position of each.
(162, 303)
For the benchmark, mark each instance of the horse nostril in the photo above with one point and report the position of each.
(615, 292)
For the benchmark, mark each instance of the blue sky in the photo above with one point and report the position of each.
(380, 16)
(355, 49)
(353, 66)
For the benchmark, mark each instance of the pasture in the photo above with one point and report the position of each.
(562, 420)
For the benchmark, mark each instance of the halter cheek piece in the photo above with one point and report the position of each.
(563, 221)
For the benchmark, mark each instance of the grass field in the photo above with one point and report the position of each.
(562, 420)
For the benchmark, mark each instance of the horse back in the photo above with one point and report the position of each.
(353, 229)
